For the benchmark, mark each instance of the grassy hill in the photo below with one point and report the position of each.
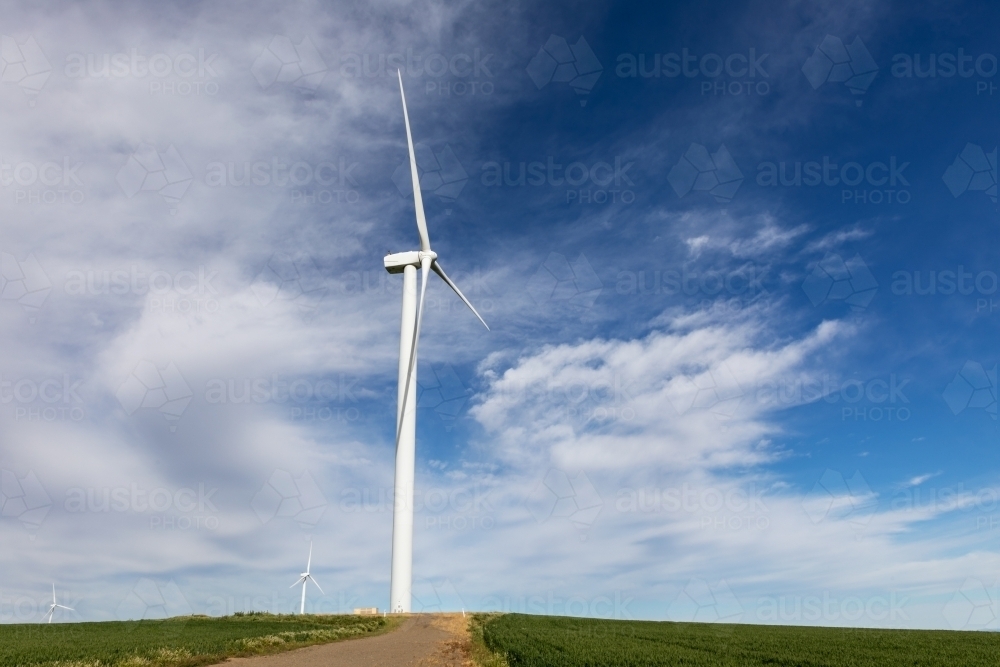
(176, 642)
(550, 641)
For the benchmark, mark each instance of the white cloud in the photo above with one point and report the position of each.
(754, 237)
(917, 480)
(629, 404)
(838, 238)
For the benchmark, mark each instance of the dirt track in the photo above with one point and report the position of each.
(427, 640)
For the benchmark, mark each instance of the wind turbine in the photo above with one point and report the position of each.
(304, 579)
(55, 605)
(400, 589)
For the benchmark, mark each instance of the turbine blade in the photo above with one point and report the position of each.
(313, 579)
(66, 608)
(53, 593)
(301, 579)
(444, 276)
(424, 265)
(418, 201)
(310, 561)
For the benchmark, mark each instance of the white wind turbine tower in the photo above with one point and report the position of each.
(406, 414)
(304, 579)
(55, 605)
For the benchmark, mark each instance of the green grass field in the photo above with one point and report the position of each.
(179, 642)
(549, 641)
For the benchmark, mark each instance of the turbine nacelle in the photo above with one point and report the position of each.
(398, 261)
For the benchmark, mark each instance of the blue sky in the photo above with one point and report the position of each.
(714, 388)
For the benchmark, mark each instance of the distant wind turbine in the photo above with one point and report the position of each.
(305, 578)
(55, 605)
(400, 588)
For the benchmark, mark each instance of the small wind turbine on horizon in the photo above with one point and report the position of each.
(400, 588)
(55, 605)
(304, 579)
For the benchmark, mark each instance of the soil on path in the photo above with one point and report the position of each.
(425, 640)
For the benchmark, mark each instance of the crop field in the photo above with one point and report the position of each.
(177, 642)
(549, 641)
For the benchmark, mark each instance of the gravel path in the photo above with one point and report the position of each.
(425, 640)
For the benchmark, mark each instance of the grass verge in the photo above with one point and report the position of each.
(481, 655)
(176, 642)
(548, 641)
